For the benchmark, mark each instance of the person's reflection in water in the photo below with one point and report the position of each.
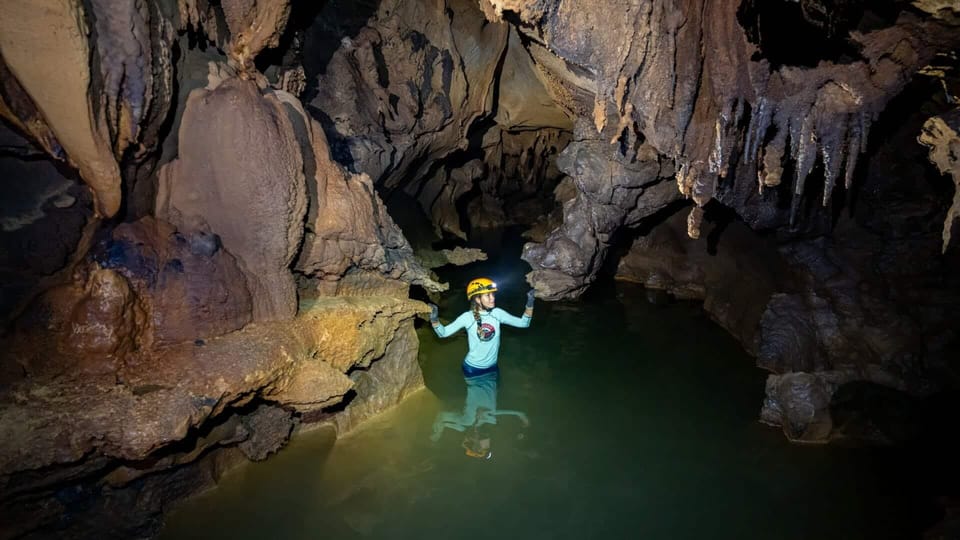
(479, 414)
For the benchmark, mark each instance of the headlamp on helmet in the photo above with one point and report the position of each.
(480, 286)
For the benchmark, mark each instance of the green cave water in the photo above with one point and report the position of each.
(642, 423)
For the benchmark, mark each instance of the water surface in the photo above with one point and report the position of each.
(642, 423)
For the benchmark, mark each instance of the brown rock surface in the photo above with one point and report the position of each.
(90, 326)
(941, 135)
(35, 38)
(91, 83)
(347, 226)
(188, 285)
(689, 81)
(732, 270)
(254, 25)
(241, 178)
(406, 86)
(172, 404)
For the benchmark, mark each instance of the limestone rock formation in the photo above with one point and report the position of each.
(692, 83)
(90, 326)
(732, 270)
(941, 135)
(407, 86)
(347, 226)
(614, 191)
(168, 405)
(253, 26)
(42, 220)
(188, 285)
(156, 339)
(48, 78)
(444, 106)
(253, 196)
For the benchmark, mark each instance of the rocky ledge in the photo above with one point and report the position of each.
(75, 449)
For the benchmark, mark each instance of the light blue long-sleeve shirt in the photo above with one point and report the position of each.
(483, 351)
(479, 408)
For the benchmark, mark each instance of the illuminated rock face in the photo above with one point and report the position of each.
(691, 83)
(164, 408)
(252, 196)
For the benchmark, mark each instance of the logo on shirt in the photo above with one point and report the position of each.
(487, 331)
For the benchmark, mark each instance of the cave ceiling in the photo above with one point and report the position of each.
(452, 102)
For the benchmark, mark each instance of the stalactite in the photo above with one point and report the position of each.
(942, 136)
(694, 221)
(806, 153)
(832, 152)
(759, 124)
(852, 153)
(771, 173)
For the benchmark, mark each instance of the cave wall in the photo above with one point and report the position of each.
(439, 103)
(191, 276)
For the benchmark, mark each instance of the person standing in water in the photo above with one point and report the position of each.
(482, 324)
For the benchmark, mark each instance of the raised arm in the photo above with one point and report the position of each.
(446, 331)
(512, 320)
(519, 414)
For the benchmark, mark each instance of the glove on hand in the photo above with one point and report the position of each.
(530, 298)
(434, 313)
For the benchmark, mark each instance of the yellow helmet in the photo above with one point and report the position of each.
(480, 286)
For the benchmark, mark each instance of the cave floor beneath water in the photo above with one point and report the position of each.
(643, 424)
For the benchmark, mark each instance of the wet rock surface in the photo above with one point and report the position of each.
(731, 269)
(164, 409)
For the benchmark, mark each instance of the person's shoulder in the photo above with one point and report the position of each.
(497, 312)
(465, 314)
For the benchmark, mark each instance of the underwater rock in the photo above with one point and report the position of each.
(800, 403)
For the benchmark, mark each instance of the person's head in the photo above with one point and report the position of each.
(480, 293)
(476, 443)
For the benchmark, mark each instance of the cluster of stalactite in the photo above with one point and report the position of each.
(688, 80)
